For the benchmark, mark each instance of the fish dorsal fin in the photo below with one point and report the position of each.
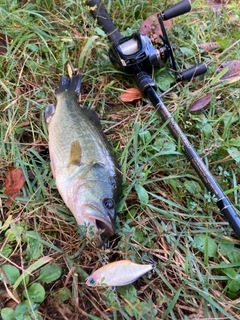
(93, 117)
(75, 153)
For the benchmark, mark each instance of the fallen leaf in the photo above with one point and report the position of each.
(151, 28)
(233, 72)
(209, 46)
(24, 2)
(14, 182)
(130, 95)
(23, 124)
(4, 40)
(200, 103)
(217, 4)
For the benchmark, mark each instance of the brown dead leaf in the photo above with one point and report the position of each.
(24, 2)
(151, 28)
(130, 95)
(233, 72)
(200, 103)
(4, 40)
(23, 124)
(11, 304)
(217, 4)
(209, 46)
(14, 182)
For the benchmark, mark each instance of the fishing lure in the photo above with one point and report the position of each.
(118, 273)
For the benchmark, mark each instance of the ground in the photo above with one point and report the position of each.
(165, 213)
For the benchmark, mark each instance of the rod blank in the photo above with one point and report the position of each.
(104, 20)
(209, 181)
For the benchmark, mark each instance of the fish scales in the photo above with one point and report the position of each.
(78, 124)
(82, 161)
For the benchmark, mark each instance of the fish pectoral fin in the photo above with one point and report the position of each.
(49, 112)
(97, 167)
(75, 154)
(85, 170)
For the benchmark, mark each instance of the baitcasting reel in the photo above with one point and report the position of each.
(137, 53)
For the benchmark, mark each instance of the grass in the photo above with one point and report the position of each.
(164, 212)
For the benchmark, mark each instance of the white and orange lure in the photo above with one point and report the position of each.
(118, 273)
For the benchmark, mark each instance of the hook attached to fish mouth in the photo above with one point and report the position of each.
(102, 230)
(102, 227)
(107, 231)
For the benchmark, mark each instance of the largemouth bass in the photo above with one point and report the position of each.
(82, 162)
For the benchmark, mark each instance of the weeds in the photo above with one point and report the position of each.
(164, 211)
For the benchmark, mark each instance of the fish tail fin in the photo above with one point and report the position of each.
(70, 84)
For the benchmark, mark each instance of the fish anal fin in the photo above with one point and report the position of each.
(75, 154)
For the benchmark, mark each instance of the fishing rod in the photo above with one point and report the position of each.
(136, 55)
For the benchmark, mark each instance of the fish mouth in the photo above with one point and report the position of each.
(103, 227)
(102, 230)
(107, 230)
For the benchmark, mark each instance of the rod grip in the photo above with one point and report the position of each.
(104, 20)
(192, 72)
(179, 8)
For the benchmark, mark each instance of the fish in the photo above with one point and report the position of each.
(85, 168)
(118, 273)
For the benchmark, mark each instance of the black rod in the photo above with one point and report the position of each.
(211, 184)
(104, 20)
(147, 86)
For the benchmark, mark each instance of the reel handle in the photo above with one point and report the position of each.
(190, 73)
(178, 9)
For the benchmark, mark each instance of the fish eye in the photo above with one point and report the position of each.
(108, 203)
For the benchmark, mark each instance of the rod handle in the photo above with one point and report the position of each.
(179, 8)
(195, 71)
(104, 20)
